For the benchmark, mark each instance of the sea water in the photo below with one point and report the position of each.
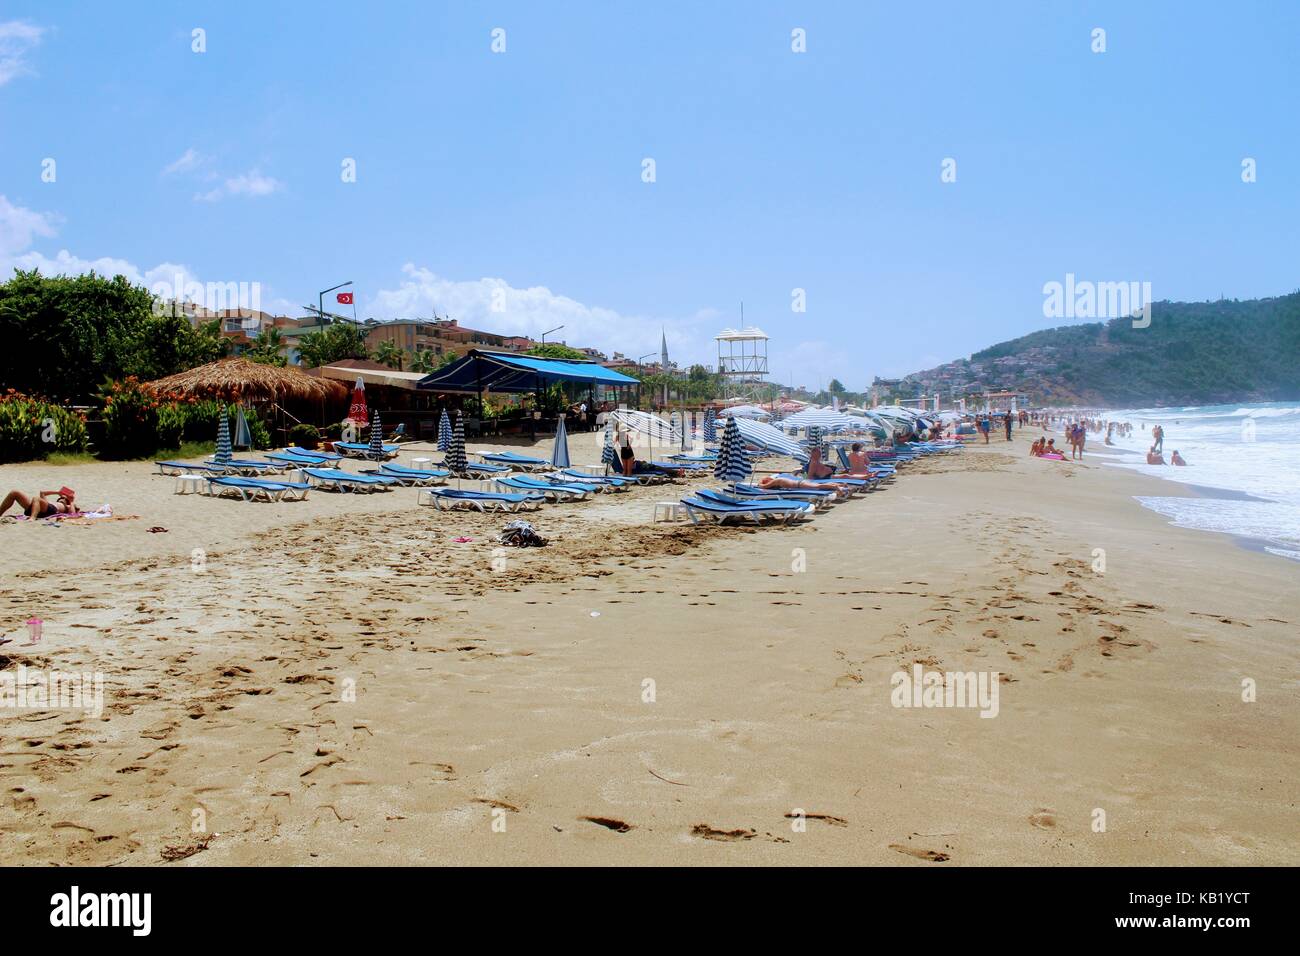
(1245, 460)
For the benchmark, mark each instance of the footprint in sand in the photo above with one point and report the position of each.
(932, 856)
(1043, 818)
(726, 836)
(609, 823)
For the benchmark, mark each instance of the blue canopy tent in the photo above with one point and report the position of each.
(480, 370)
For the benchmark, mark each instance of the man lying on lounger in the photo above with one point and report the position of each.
(38, 506)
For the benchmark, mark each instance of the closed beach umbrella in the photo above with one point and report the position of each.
(444, 431)
(710, 428)
(560, 450)
(243, 438)
(376, 437)
(357, 412)
(608, 454)
(455, 461)
(223, 454)
(815, 439)
(733, 461)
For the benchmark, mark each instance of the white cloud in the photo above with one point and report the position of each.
(493, 305)
(20, 227)
(189, 160)
(17, 39)
(251, 183)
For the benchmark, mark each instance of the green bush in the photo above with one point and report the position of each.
(304, 436)
(201, 419)
(32, 428)
(131, 420)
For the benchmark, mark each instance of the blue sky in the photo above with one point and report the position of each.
(521, 172)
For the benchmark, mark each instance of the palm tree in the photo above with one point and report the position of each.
(390, 354)
(423, 362)
(266, 347)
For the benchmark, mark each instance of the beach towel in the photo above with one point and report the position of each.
(521, 534)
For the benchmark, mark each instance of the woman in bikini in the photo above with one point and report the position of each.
(39, 505)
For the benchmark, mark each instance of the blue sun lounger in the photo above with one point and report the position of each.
(756, 511)
(759, 493)
(409, 476)
(356, 449)
(603, 485)
(188, 468)
(257, 489)
(614, 481)
(337, 479)
(482, 468)
(296, 460)
(311, 453)
(451, 498)
(247, 466)
(553, 490)
(509, 458)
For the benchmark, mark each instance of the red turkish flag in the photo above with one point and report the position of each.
(344, 298)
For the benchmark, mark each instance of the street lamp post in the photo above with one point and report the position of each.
(641, 365)
(320, 302)
(549, 331)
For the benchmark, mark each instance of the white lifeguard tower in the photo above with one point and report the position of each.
(742, 362)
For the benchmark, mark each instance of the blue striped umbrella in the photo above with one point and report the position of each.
(223, 455)
(733, 463)
(560, 450)
(769, 438)
(815, 440)
(444, 431)
(376, 437)
(455, 461)
(710, 427)
(608, 454)
(824, 418)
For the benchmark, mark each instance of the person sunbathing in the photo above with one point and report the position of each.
(779, 483)
(39, 505)
(859, 462)
(818, 468)
(1177, 459)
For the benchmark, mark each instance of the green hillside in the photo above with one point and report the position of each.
(1192, 353)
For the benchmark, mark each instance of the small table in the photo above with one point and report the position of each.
(674, 510)
(421, 463)
(185, 484)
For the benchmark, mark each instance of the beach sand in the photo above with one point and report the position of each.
(502, 713)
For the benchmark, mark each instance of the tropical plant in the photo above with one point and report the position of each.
(64, 335)
(342, 340)
(555, 350)
(32, 428)
(267, 348)
(391, 354)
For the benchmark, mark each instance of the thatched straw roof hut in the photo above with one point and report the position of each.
(235, 379)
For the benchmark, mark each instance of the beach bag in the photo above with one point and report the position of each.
(521, 534)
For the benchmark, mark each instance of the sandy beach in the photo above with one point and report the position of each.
(337, 681)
